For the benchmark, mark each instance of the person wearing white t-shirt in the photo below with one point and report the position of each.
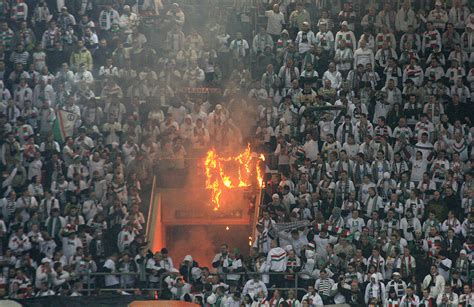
(310, 147)
(312, 297)
(333, 75)
(111, 280)
(275, 21)
(239, 46)
(355, 223)
(305, 38)
(364, 55)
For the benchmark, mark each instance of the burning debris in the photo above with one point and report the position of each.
(234, 172)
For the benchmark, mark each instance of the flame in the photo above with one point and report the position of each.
(226, 173)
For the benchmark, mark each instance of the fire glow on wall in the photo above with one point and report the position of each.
(232, 172)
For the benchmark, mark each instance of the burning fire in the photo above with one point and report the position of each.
(227, 173)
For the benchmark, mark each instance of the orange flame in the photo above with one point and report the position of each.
(226, 173)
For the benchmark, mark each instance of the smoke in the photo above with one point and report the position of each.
(196, 241)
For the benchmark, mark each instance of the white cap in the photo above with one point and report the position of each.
(45, 260)
(196, 273)
(211, 299)
(276, 196)
(188, 258)
(344, 23)
(386, 175)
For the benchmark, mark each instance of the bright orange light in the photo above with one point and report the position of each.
(226, 173)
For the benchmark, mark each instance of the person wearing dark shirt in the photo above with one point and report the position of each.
(452, 201)
(437, 205)
(57, 57)
(352, 293)
(101, 54)
(451, 245)
(457, 111)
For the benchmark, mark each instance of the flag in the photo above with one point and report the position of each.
(64, 124)
(331, 229)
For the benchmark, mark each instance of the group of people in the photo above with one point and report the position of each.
(363, 109)
(366, 115)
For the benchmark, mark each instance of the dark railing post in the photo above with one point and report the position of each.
(88, 278)
(296, 283)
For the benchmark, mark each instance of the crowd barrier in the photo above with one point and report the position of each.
(92, 286)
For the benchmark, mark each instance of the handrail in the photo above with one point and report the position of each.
(256, 214)
(152, 197)
(224, 275)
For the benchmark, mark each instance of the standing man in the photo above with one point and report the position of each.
(275, 22)
(276, 261)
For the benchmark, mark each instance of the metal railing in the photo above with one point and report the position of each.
(94, 286)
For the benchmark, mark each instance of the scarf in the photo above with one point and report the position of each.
(106, 19)
(51, 37)
(385, 189)
(414, 206)
(54, 232)
(389, 225)
(459, 147)
(342, 189)
(398, 169)
(48, 205)
(356, 81)
(374, 228)
(452, 223)
(26, 202)
(11, 205)
(426, 302)
(377, 292)
(434, 109)
(405, 188)
(433, 242)
(359, 175)
(269, 80)
(409, 301)
(321, 168)
(406, 266)
(346, 131)
(275, 302)
(375, 172)
(459, 17)
(340, 168)
(462, 266)
(290, 72)
(372, 204)
(431, 39)
(262, 240)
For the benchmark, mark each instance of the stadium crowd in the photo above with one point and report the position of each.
(362, 107)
